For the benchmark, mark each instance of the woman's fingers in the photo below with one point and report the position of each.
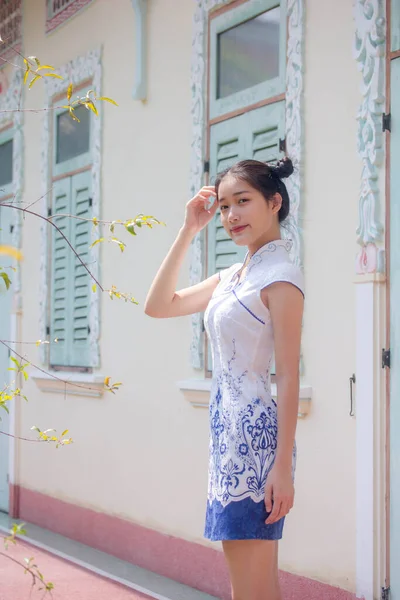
(268, 497)
(280, 509)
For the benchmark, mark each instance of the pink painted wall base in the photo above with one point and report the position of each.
(189, 563)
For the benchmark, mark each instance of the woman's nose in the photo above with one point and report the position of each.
(232, 215)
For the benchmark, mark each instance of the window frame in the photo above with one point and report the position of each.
(232, 17)
(66, 170)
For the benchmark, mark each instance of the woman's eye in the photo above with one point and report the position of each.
(243, 200)
(222, 208)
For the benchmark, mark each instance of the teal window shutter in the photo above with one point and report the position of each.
(80, 278)
(60, 274)
(70, 282)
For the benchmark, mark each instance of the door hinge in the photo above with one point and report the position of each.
(387, 122)
(385, 593)
(282, 145)
(385, 358)
(206, 166)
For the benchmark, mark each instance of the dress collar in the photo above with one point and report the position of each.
(270, 247)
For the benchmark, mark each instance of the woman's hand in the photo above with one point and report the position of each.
(198, 210)
(279, 493)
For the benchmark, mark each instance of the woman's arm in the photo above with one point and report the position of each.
(285, 303)
(162, 299)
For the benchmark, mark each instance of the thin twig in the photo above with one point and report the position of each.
(30, 212)
(25, 567)
(84, 387)
(16, 437)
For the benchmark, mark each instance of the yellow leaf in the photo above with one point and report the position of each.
(11, 251)
(96, 242)
(26, 74)
(69, 92)
(94, 288)
(34, 80)
(53, 75)
(107, 100)
(90, 104)
(45, 67)
(107, 381)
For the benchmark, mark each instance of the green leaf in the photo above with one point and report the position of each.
(34, 80)
(107, 100)
(130, 229)
(5, 408)
(14, 360)
(6, 279)
(25, 374)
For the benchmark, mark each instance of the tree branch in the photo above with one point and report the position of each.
(30, 212)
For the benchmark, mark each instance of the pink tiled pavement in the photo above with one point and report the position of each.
(71, 582)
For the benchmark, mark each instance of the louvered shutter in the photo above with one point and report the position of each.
(60, 267)
(227, 146)
(80, 279)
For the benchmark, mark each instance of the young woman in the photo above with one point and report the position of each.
(252, 311)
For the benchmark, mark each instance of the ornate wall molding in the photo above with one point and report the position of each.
(294, 135)
(83, 68)
(10, 101)
(369, 51)
(140, 86)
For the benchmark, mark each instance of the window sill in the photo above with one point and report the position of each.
(74, 384)
(191, 386)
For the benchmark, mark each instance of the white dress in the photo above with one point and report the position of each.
(243, 414)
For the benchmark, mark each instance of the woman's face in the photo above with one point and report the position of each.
(245, 214)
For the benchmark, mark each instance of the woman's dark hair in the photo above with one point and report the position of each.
(264, 177)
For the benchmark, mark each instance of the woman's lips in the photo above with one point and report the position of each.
(238, 229)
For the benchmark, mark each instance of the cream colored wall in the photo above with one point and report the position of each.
(142, 454)
(320, 540)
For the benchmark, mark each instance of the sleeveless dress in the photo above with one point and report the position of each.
(243, 414)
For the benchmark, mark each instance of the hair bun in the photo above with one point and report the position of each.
(283, 168)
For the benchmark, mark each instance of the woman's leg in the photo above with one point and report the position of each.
(253, 569)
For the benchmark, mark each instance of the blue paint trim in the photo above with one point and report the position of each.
(140, 87)
(248, 310)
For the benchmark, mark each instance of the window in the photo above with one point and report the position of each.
(247, 55)
(73, 137)
(70, 285)
(6, 165)
(6, 162)
(11, 28)
(59, 11)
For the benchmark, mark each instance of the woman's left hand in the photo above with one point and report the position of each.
(279, 493)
